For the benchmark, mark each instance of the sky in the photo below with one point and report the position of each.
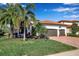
(55, 11)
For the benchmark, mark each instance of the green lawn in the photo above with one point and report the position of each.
(16, 47)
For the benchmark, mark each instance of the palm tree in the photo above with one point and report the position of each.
(7, 16)
(26, 15)
(14, 13)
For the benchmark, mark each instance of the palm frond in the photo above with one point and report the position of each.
(30, 5)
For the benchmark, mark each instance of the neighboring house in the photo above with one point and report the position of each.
(69, 22)
(60, 28)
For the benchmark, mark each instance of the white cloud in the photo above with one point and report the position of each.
(74, 16)
(72, 4)
(45, 9)
(4, 3)
(64, 9)
(71, 16)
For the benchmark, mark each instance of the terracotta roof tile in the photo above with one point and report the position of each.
(48, 22)
(69, 21)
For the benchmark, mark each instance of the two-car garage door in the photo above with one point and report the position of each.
(53, 32)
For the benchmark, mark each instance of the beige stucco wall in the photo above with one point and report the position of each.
(68, 23)
(68, 30)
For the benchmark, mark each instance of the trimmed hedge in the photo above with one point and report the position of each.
(73, 35)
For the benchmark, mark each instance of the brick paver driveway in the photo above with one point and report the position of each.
(73, 41)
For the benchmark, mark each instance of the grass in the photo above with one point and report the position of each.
(15, 47)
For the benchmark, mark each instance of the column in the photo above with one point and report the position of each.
(58, 33)
(65, 32)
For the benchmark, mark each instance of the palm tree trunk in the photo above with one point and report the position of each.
(30, 30)
(24, 37)
(11, 31)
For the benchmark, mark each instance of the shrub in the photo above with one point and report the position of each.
(43, 36)
(73, 35)
(74, 29)
(1, 32)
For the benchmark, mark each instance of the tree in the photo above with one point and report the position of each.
(27, 16)
(14, 13)
(74, 28)
(7, 16)
(40, 29)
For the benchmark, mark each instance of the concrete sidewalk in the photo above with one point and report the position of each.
(68, 53)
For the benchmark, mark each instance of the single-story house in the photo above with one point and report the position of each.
(60, 28)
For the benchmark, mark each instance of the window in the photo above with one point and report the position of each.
(59, 26)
